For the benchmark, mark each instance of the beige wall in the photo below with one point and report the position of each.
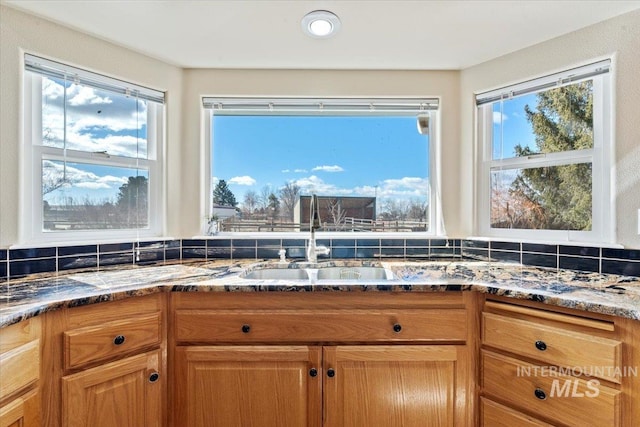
(21, 32)
(443, 84)
(618, 38)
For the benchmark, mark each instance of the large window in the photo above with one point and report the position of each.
(545, 150)
(92, 155)
(367, 160)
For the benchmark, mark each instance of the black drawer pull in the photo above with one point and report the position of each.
(541, 345)
(118, 340)
(313, 372)
(397, 328)
(331, 373)
(246, 329)
(540, 394)
(154, 377)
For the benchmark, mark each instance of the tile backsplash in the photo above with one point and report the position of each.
(16, 263)
(579, 258)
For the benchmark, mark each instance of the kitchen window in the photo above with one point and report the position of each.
(92, 155)
(545, 157)
(368, 160)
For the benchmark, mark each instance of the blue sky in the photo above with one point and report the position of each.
(515, 127)
(328, 155)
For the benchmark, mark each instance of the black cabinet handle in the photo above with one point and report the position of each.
(154, 377)
(331, 373)
(541, 345)
(118, 340)
(313, 372)
(540, 394)
(397, 327)
(246, 329)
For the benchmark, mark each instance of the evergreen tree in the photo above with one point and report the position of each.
(274, 206)
(559, 197)
(222, 195)
(133, 201)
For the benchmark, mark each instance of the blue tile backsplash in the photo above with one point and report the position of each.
(20, 262)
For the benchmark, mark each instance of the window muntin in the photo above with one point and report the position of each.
(371, 170)
(92, 156)
(544, 155)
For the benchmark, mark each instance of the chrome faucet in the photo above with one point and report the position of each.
(314, 223)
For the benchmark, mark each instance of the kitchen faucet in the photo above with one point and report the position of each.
(314, 223)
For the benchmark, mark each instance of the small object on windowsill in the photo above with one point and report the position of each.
(282, 253)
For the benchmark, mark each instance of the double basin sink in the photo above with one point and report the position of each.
(316, 272)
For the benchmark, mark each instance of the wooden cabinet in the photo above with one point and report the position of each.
(123, 393)
(107, 364)
(20, 374)
(248, 386)
(549, 366)
(23, 411)
(294, 360)
(394, 386)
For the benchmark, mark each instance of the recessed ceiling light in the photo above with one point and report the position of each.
(320, 24)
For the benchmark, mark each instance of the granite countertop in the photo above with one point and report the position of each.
(593, 292)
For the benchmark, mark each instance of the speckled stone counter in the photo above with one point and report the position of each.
(598, 293)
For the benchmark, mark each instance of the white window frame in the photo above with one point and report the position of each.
(33, 153)
(346, 106)
(600, 156)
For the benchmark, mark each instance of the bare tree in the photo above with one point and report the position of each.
(288, 196)
(263, 198)
(51, 184)
(250, 203)
(337, 213)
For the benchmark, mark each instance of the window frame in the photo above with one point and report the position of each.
(600, 157)
(255, 105)
(34, 152)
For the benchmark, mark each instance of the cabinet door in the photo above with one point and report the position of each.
(395, 386)
(125, 393)
(23, 411)
(248, 386)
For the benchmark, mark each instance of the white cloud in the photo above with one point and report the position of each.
(242, 180)
(499, 117)
(405, 188)
(83, 95)
(95, 120)
(285, 171)
(334, 168)
(294, 171)
(79, 178)
(314, 184)
(92, 185)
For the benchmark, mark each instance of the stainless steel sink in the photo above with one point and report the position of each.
(277, 274)
(343, 273)
(354, 273)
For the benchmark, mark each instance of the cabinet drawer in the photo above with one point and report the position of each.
(563, 399)
(209, 326)
(19, 356)
(554, 345)
(95, 343)
(496, 415)
(23, 411)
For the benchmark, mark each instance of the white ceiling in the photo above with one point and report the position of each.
(414, 35)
